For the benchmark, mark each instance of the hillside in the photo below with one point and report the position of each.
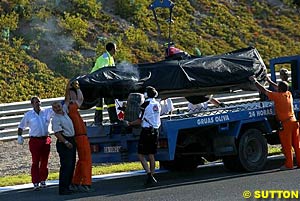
(44, 43)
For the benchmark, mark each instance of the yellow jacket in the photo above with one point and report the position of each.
(104, 60)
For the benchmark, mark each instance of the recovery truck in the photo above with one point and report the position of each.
(237, 134)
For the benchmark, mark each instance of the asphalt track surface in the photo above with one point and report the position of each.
(129, 186)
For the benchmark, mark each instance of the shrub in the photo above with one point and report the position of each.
(77, 26)
(88, 8)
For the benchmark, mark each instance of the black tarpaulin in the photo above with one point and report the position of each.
(196, 76)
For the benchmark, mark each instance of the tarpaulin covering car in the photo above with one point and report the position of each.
(187, 77)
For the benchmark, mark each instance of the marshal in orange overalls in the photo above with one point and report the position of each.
(289, 136)
(83, 170)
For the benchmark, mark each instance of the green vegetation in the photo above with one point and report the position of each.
(97, 170)
(22, 76)
(274, 150)
(43, 45)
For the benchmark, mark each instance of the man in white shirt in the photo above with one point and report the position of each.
(66, 147)
(166, 106)
(194, 108)
(39, 144)
(149, 119)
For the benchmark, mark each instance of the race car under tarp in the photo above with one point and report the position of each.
(192, 77)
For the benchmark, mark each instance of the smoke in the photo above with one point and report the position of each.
(51, 39)
(126, 67)
(52, 33)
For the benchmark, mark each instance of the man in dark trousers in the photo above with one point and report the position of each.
(64, 131)
(105, 60)
(149, 119)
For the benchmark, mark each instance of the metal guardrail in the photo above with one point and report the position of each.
(12, 113)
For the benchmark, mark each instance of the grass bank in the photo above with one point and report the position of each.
(97, 170)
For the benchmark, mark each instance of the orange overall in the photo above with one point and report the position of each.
(83, 170)
(289, 136)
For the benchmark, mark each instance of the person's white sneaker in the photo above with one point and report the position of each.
(36, 187)
(43, 184)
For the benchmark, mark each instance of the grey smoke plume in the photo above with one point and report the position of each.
(52, 33)
(126, 67)
(59, 41)
(52, 41)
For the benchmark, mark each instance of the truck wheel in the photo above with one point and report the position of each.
(253, 150)
(252, 153)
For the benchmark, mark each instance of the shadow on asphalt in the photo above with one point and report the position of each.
(115, 187)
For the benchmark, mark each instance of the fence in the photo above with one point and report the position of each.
(12, 113)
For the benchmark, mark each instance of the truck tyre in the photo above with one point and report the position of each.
(252, 153)
(132, 110)
(253, 150)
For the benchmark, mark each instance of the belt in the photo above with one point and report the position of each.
(39, 137)
(149, 128)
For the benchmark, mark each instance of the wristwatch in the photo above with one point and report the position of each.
(67, 142)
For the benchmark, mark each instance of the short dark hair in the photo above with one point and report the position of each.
(110, 46)
(283, 86)
(151, 92)
(33, 98)
(284, 71)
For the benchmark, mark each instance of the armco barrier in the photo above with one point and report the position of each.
(12, 113)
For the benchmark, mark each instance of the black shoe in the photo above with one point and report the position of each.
(153, 179)
(85, 188)
(150, 181)
(66, 192)
(73, 187)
